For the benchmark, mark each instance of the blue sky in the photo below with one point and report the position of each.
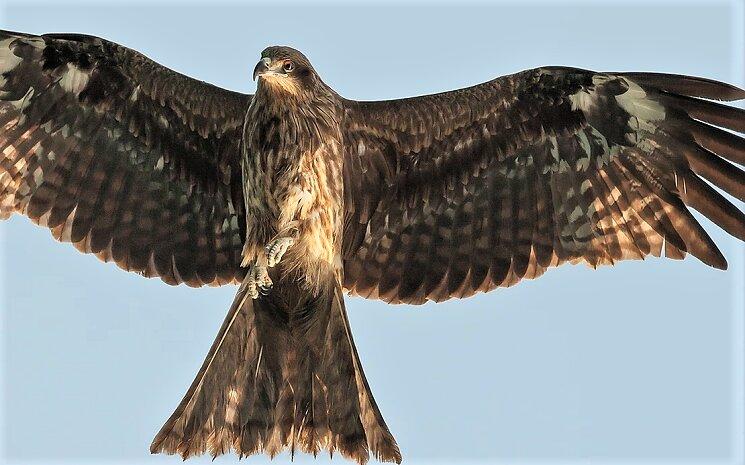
(638, 363)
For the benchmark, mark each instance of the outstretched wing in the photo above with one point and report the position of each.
(461, 192)
(121, 156)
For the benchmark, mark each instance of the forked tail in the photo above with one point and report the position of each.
(283, 373)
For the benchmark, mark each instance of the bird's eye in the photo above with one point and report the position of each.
(288, 66)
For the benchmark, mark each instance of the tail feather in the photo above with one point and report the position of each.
(380, 440)
(283, 374)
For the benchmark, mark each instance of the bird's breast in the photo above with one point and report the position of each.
(292, 179)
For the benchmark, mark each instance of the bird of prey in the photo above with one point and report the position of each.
(298, 195)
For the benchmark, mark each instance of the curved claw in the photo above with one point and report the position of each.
(259, 281)
(276, 249)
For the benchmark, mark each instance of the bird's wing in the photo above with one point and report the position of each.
(121, 156)
(456, 193)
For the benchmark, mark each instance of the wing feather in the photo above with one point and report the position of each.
(122, 157)
(482, 187)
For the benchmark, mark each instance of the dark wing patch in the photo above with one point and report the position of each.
(122, 157)
(451, 194)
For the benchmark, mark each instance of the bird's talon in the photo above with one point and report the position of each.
(276, 249)
(259, 282)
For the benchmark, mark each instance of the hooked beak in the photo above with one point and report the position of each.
(262, 67)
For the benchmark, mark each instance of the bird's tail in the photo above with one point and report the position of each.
(281, 376)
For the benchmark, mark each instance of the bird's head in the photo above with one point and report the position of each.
(286, 70)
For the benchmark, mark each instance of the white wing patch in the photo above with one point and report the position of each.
(74, 80)
(636, 103)
(8, 59)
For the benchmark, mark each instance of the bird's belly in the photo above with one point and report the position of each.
(315, 222)
(306, 205)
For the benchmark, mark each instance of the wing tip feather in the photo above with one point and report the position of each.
(690, 86)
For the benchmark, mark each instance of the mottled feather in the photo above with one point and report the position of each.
(546, 166)
(122, 157)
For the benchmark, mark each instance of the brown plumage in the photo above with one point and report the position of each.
(299, 194)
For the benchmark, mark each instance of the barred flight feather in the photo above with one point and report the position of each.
(578, 166)
(107, 149)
